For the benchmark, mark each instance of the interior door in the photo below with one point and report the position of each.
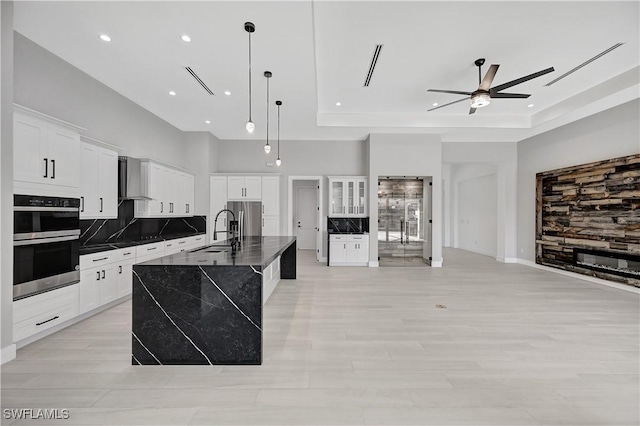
(401, 227)
(306, 219)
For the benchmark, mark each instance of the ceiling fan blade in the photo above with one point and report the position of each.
(450, 103)
(521, 80)
(453, 92)
(488, 77)
(509, 95)
(472, 110)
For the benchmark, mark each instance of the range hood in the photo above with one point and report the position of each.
(130, 179)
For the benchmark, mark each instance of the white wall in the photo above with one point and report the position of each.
(6, 189)
(299, 158)
(477, 214)
(501, 157)
(609, 134)
(406, 155)
(48, 84)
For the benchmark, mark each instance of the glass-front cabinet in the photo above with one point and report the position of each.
(348, 196)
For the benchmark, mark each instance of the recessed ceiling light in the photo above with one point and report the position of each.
(435, 104)
(207, 121)
(185, 38)
(338, 104)
(228, 93)
(172, 93)
(530, 106)
(105, 37)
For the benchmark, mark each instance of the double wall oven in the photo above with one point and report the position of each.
(46, 244)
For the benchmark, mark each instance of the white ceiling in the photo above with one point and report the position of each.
(319, 53)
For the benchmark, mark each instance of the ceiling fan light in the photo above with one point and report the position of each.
(479, 100)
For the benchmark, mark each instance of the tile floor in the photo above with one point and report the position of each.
(514, 346)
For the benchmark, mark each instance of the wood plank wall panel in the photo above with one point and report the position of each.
(593, 206)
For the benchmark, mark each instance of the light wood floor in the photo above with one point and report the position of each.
(514, 346)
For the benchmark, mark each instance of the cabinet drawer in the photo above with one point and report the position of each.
(40, 312)
(126, 254)
(359, 238)
(150, 250)
(96, 260)
(340, 237)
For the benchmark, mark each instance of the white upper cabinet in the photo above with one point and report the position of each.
(266, 189)
(244, 188)
(171, 192)
(46, 155)
(270, 206)
(270, 195)
(98, 182)
(348, 196)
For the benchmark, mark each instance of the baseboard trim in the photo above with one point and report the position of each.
(7, 354)
(594, 280)
(323, 259)
(436, 263)
(507, 259)
(374, 264)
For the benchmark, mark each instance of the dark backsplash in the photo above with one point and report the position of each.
(126, 228)
(347, 225)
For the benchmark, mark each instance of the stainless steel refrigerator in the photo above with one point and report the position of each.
(249, 217)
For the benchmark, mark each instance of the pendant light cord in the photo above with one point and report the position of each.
(249, 76)
(268, 110)
(278, 131)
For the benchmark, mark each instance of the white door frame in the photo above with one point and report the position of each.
(320, 181)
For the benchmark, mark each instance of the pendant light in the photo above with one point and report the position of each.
(278, 160)
(249, 28)
(267, 147)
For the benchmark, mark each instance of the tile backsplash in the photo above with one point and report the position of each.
(126, 228)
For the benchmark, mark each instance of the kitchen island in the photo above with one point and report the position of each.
(205, 306)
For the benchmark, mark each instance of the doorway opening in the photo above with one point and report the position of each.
(305, 207)
(404, 221)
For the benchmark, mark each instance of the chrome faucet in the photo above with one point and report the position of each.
(233, 226)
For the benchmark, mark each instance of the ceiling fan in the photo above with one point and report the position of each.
(482, 97)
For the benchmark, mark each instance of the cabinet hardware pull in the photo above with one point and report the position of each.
(187, 207)
(345, 246)
(98, 279)
(263, 222)
(161, 207)
(120, 266)
(46, 168)
(181, 242)
(98, 260)
(152, 248)
(53, 169)
(50, 319)
(126, 254)
(82, 202)
(263, 209)
(103, 274)
(101, 204)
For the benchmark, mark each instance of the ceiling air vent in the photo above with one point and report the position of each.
(199, 80)
(599, 55)
(374, 61)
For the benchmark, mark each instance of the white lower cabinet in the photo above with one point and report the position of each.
(270, 226)
(125, 278)
(348, 250)
(37, 313)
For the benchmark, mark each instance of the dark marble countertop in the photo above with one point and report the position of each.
(253, 251)
(97, 248)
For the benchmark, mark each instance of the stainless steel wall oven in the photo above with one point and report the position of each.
(46, 245)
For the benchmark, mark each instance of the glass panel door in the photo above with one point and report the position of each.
(361, 189)
(337, 197)
(351, 196)
(400, 222)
